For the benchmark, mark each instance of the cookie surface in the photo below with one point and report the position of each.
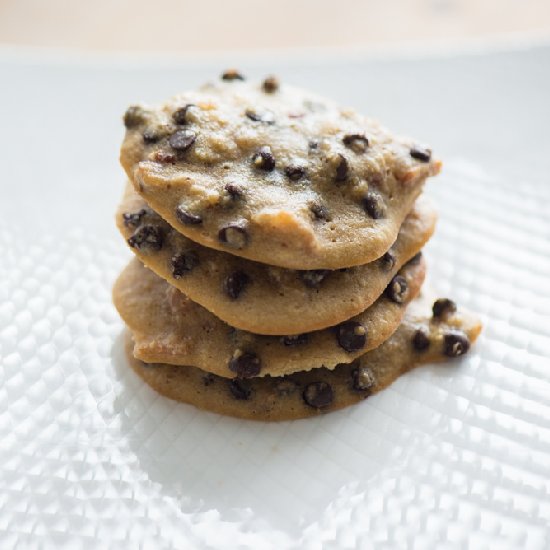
(260, 298)
(281, 177)
(306, 394)
(169, 328)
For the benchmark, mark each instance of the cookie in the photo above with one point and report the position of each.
(169, 328)
(418, 340)
(280, 177)
(260, 298)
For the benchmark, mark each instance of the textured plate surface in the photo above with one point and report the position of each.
(449, 456)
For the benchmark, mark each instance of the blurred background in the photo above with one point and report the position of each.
(213, 25)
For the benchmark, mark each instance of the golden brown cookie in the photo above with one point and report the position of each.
(169, 328)
(257, 297)
(278, 176)
(418, 340)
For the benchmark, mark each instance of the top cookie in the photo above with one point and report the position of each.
(274, 174)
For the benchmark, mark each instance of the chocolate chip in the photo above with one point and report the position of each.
(165, 157)
(270, 84)
(342, 168)
(421, 340)
(320, 211)
(374, 206)
(151, 136)
(183, 263)
(455, 344)
(180, 115)
(318, 395)
(235, 283)
(263, 159)
(133, 116)
(267, 117)
(182, 140)
(362, 378)
(388, 261)
(314, 277)
(133, 219)
(313, 145)
(443, 307)
(239, 389)
(208, 379)
(295, 339)
(147, 237)
(356, 142)
(295, 173)
(234, 234)
(351, 335)
(186, 217)
(396, 291)
(232, 74)
(423, 154)
(234, 191)
(245, 364)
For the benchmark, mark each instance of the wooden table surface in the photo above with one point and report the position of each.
(206, 25)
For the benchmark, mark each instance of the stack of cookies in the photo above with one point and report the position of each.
(278, 244)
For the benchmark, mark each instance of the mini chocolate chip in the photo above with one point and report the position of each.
(455, 344)
(234, 191)
(263, 159)
(396, 291)
(295, 339)
(208, 379)
(133, 116)
(235, 283)
(165, 157)
(186, 217)
(356, 142)
(342, 168)
(182, 140)
(286, 387)
(133, 219)
(270, 84)
(232, 74)
(266, 117)
(318, 395)
(374, 206)
(180, 115)
(362, 378)
(245, 364)
(147, 237)
(295, 173)
(351, 335)
(183, 263)
(314, 277)
(313, 145)
(443, 307)
(150, 136)
(387, 261)
(239, 389)
(320, 211)
(423, 154)
(420, 341)
(234, 234)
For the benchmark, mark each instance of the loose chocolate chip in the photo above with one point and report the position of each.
(234, 234)
(239, 389)
(234, 191)
(387, 261)
(263, 159)
(267, 117)
(423, 154)
(356, 142)
(232, 74)
(351, 335)
(235, 283)
(147, 237)
(208, 379)
(443, 307)
(270, 85)
(151, 136)
(320, 212)
(295, 339)
(133, 219)
(318, 395)
(342, 168)
(455, 344)
(245, 364)
(180, 115)
(396, 291)
(314, 277)
(374, 206)
(362, 378)
(133, 117)
(182, 140)
(295, 173)
(183, 263)
(420, 341)
(186, 217)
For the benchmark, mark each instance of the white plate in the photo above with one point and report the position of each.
(448, 456)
